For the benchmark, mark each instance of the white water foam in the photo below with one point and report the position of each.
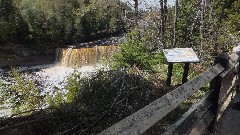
(49, 78)
(56, 77)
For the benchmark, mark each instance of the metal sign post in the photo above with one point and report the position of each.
(179, 55)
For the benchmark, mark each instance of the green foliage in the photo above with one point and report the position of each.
(73, 86)
(22, 95)
(12, 26)
(6, 29)
(137, 51)
(228, 16)
(55, 100)
(100, 17)
(59, 21)
(177, 72)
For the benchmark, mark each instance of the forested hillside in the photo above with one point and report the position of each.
(59, 21)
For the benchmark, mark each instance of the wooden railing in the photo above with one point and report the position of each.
(201, 116)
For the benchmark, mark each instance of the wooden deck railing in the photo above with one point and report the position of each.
(201, 116)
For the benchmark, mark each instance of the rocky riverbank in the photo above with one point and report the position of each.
(27, 61)
(17, 55)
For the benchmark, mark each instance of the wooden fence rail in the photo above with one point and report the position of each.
(201, 116)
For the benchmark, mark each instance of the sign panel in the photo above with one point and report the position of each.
(180, 55)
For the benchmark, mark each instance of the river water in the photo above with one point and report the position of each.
(86, 61)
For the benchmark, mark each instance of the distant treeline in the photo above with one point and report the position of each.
(59, 21)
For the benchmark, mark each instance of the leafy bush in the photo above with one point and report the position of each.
(22, 94)
(137, 51)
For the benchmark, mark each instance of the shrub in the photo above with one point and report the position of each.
(22, 94)
(137, 51)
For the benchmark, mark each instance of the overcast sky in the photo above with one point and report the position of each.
(147, 3)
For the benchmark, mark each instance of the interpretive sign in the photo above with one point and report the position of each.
(180, 55)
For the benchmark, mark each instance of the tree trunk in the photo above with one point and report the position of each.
(195, 20)
(161, 20)
(211, 31)
(163, 11)
(210, 18)
(165, 15)
(202, 25)
(136, 11)
(175, 24)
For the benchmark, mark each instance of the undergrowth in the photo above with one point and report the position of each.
(89, 107)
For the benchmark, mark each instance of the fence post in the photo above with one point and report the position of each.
(185, 73)
(238, 77)
(236, 50)
(169, 74)
(215, 85)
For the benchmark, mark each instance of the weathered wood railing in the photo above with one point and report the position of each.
(201, 116)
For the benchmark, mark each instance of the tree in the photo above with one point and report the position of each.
(12, 25)
(175, 23)
(136, 11)
(163, 13)
(202, 25)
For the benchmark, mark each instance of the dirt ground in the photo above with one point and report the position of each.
(229, 124)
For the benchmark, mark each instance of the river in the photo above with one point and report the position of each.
(47, 78)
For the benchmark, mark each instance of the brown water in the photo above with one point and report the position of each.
(84, 56)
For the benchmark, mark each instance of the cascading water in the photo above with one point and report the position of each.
(75, 57)
(67, 56)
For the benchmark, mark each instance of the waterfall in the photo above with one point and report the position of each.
(72, 57)
(66, 57)
(58, 55)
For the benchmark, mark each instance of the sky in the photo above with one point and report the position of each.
(148, 3)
